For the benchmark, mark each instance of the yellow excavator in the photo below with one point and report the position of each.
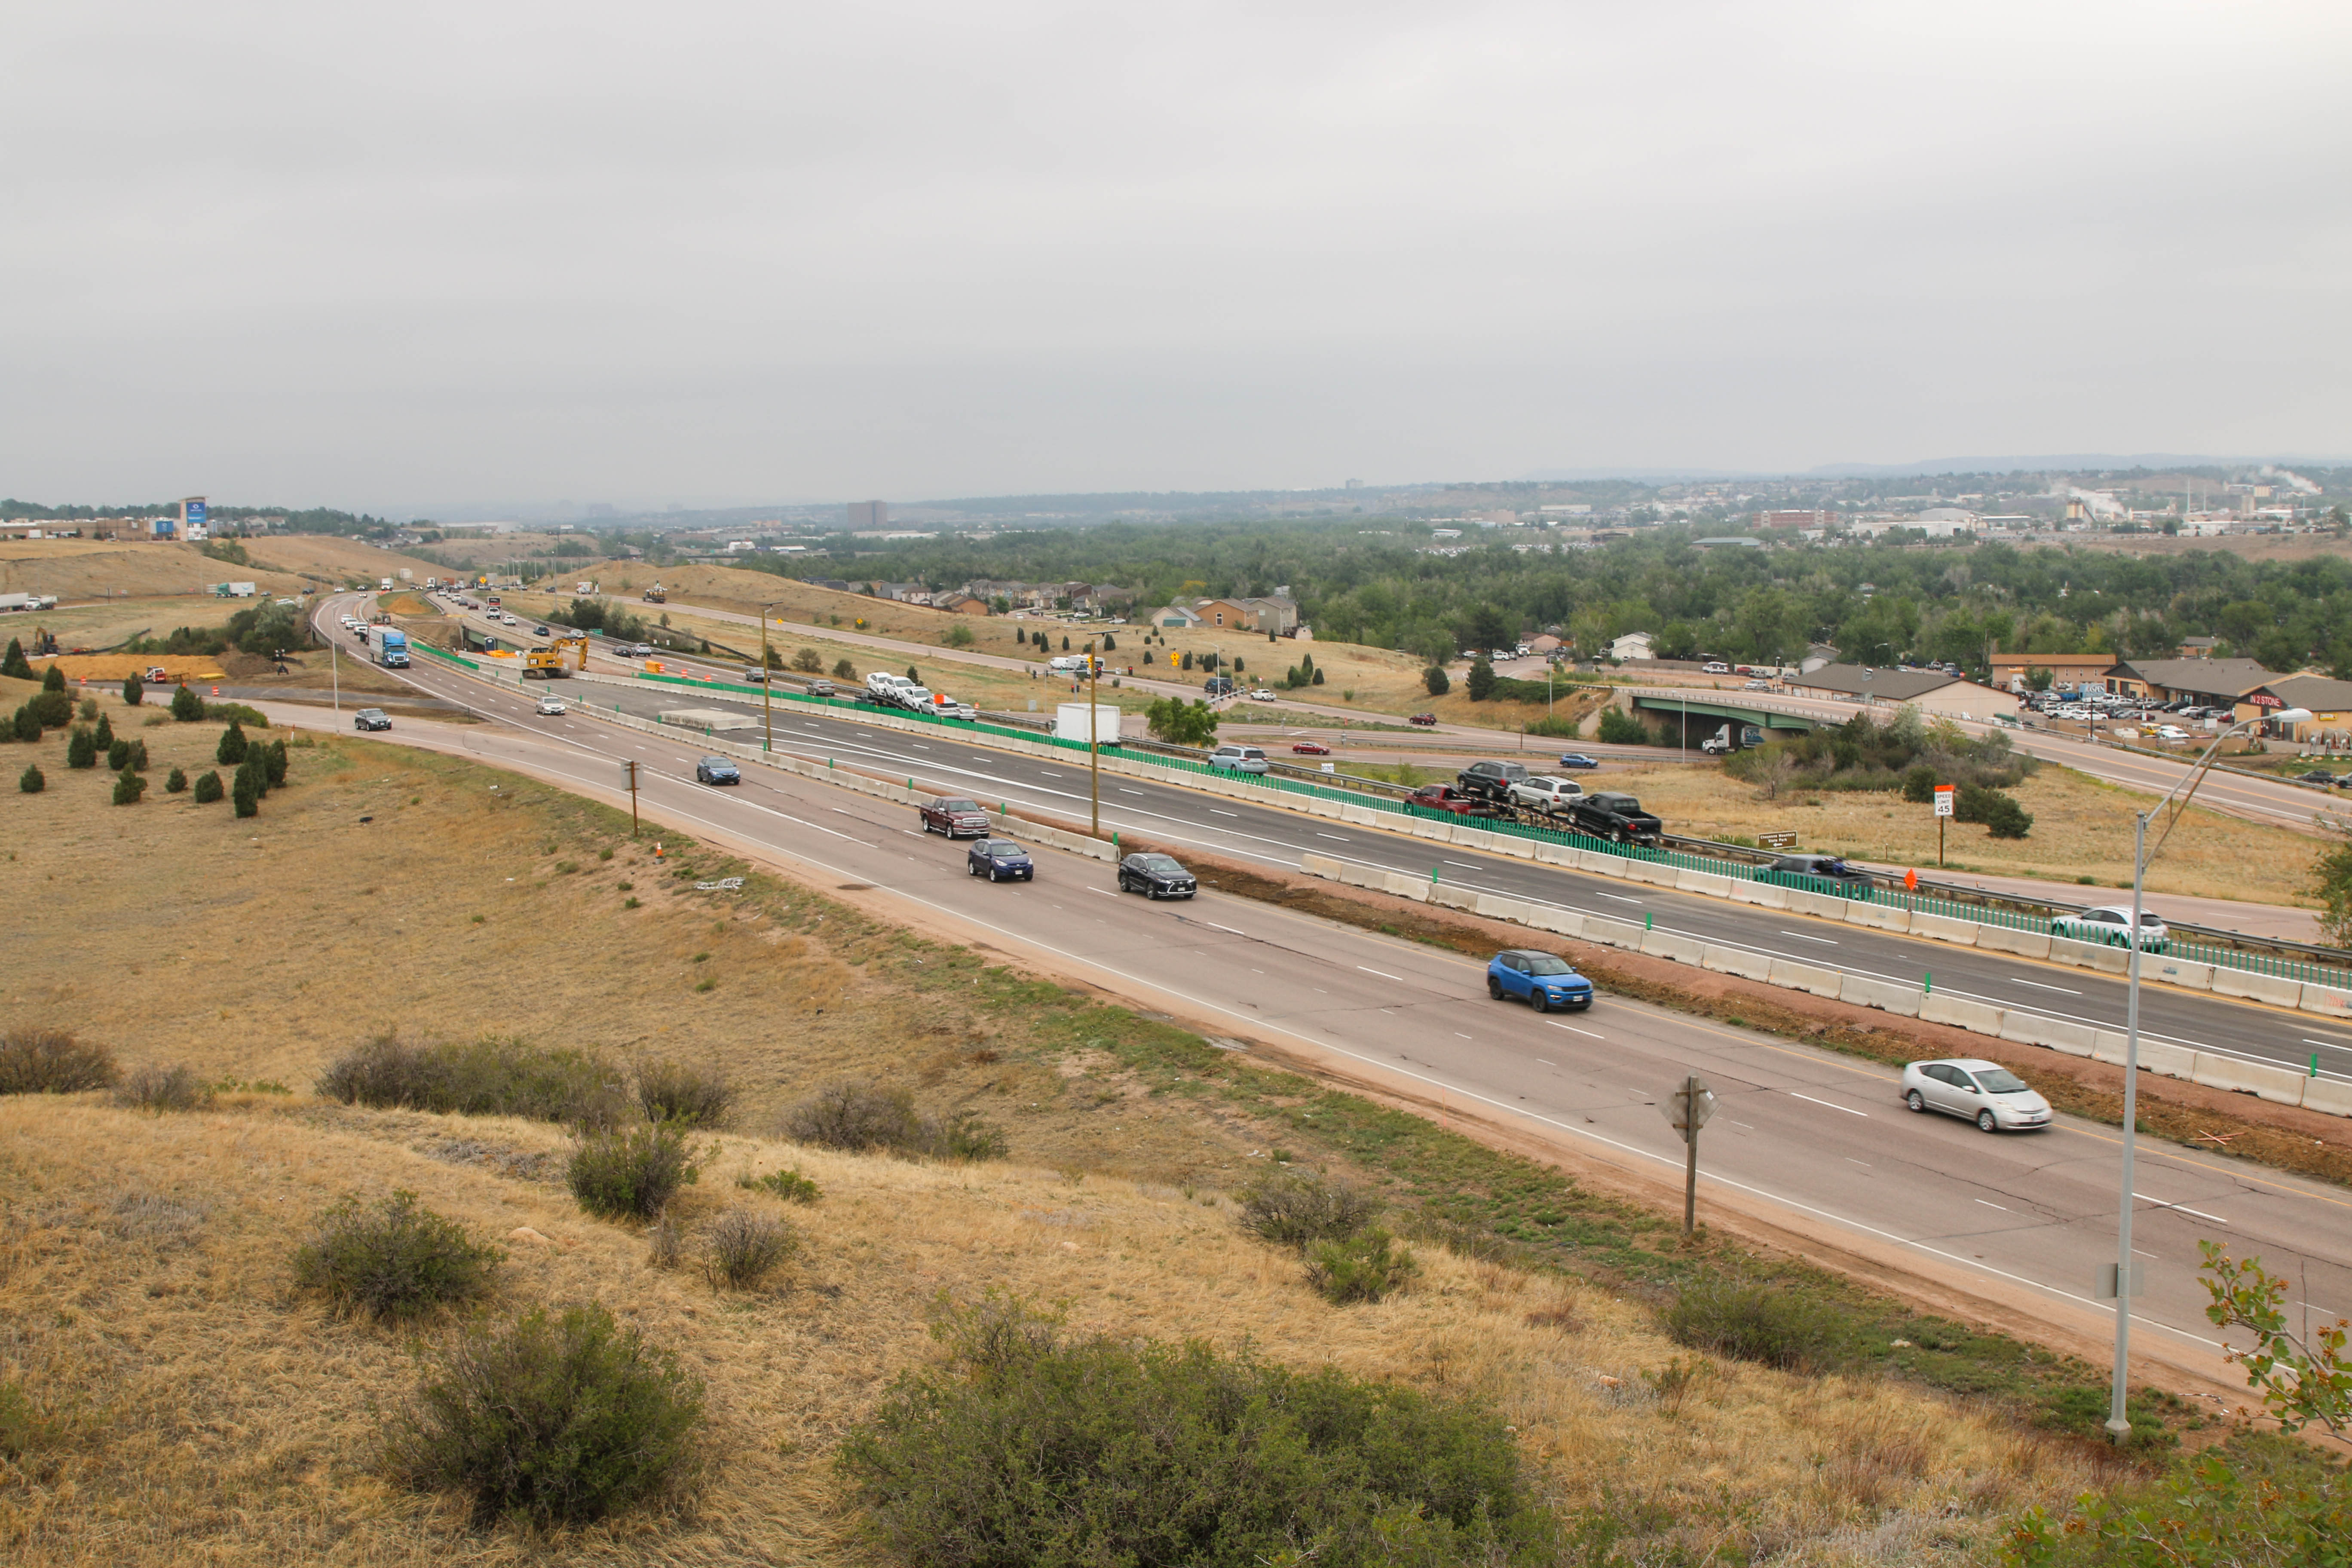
(557, 659)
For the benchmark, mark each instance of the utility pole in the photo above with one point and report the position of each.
(1094, 749)
(767, 682)
(335, 662)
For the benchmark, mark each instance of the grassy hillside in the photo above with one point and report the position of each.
(188, 1404)
(95, 568)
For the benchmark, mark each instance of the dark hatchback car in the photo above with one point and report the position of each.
(1000, 860)
(1156, 877)
(955, 816)
(371, 719)
(1544, 980)
(1818, 874)
(717, 771)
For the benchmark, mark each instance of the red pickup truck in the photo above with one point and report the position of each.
(1444, 797)
(955, 816)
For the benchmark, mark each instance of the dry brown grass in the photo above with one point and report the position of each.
(2082, 827)
(215, 1416)
(327, 559)
(96, 568)
(211, 1416)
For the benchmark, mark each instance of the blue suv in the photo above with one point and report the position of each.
(1547, 982)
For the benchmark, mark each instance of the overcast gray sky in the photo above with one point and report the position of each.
(431, 253)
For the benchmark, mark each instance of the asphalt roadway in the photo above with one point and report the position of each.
(1811, 1145)
(1177, 817)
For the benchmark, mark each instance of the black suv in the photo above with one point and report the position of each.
(1156, 877)
(1491, 781)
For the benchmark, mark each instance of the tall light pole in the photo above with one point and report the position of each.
(1094, 750)
(767, 682)
(2119, 1423)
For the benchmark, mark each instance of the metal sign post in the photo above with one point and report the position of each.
(1687, 1110)
(629, 783)
(1944, 795)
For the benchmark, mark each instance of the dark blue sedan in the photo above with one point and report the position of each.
(717, 771)
(1547, 982)
(1000, 860)
(1577, 759)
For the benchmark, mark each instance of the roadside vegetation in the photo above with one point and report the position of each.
(1456, 1352)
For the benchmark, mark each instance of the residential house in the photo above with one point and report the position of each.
(1633, 645)
(1276, 612)
(2199, 648)
(961, 604)
(1179, 617)
(2211, 682)
(1545, 644)
(2330, 702)
(1817, 654)
(1930, 690)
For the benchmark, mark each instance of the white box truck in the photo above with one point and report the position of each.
(1070, 722)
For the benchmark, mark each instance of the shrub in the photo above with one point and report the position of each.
(1619, 728)
(966, 1136)
(134, 691)
(1298, 1208)
(1362, 1268)
(104, 735)
(255, 768)
(232, 747)
(163, 1088)
(1435, 681)
(186, 706)
(2004, 818)
(1755, 1321)
(117, 756)
(631, 1174)
(665, 1242)
(53, 679)
(1481, 681)
(177, 782)
(32, 781)
(26, 724)
(13, 664)
(492, 1076)
(843, 669)
(274, 759)
(672, 1091)
(808, 661)
(1919, 785)
(82, 749)
(1027, 1450)
(789, 1185)
(54, 709)
(393, 1260)
(857, 1117)
(554, 1420)
(244, 796)
(854, 1117)
(139, 756)
(208, 787)
(51, 1061)
(741, 1249)
(128, 787)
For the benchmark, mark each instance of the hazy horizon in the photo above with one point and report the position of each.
(718, 254)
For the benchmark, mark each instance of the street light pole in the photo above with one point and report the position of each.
(767, 682)
(1094, 750)
(2119, 1423)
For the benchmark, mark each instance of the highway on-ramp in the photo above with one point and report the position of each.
(1813, 1144)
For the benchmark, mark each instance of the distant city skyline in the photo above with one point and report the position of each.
(431, 254)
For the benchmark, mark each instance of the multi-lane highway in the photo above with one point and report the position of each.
(1813, 1144)
(1179, 816)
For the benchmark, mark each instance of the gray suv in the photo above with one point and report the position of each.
(1491, 781)
(1238, 759)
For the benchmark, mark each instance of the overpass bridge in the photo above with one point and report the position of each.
(1702, 713)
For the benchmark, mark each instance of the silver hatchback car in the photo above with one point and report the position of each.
(1986, 1093)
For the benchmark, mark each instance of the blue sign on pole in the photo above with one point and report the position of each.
(195, 510)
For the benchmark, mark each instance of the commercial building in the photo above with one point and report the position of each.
(2329, 701)
(1931, 690)
(2209, 683)
(2014, 672)
(868, 515)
